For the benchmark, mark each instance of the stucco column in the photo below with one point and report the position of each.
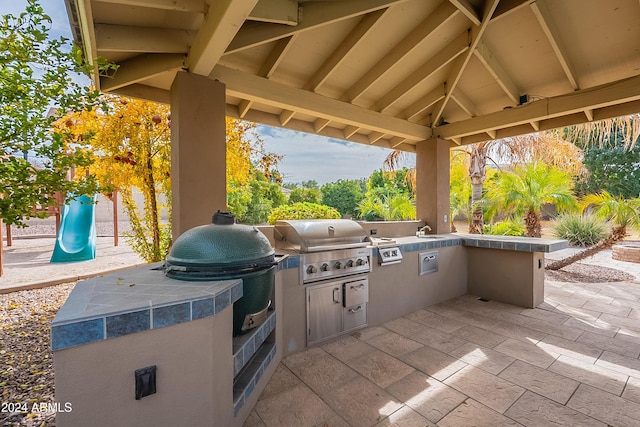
(198, 151)
(432, 184)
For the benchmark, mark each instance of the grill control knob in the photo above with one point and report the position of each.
(311, 269)
(349, 263)
(338, 265)
(360, 261)
(324, 267)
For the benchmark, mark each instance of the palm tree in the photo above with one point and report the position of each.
(524, 190)
(622, 214)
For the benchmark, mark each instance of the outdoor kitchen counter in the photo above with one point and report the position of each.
(136, 300)
(139, 319)
(513, 243)
(502, 268)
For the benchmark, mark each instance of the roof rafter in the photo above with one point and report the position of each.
(476, 36)
(145, 92)
(491, 63)
(467, 10)
(126, 38)
(222, 22)
(454, 49)
(314, 15)
(276, 56)
(506, 7)
(607, 95)
(258, 89)
(440, 16)
(142, 67)
(464, 102)
(541, 11)
(366, 24)
(195, 6)
(422, 104)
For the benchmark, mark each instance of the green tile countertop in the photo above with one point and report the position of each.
(136, 300)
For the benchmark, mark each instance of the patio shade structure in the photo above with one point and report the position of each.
(384, 72)
(389, 73)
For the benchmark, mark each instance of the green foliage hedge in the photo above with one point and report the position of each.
(508, 227)
(579, 230)
(303, 210)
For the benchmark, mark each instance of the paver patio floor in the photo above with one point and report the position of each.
(571, 361)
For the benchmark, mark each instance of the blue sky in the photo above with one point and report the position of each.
(306, 156)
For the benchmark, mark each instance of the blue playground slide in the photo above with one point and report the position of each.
(76, 240)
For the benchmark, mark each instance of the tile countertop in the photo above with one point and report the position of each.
(522, 244)
(135, 300)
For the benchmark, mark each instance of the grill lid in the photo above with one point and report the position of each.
(222, 248)
(314, 235)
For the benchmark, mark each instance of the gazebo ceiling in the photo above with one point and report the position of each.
(390, 73)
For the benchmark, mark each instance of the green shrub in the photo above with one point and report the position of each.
(303, 210)
(507, 227)
(579, 230)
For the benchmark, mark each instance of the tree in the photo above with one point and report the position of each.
(303, 194)
(36, 78)
(524, 190)
(132, 139)
(344, 195)
(612, 169)
(263, 197)
(389, 197)
(621, 212)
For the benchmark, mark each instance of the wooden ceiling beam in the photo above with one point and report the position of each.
(126, 38)
(506, 7)
(465, 103)
(276, 56)
(596, 98)
(314, 14)
(550, 29)
(285, 116)
(144, 92)
(141, 68)
(222, 21)
(366, 24)
(283, 12)
(268, 92)
(423, 104)
(440, 16)
(467, 10)
(491, 63)
(193, 6)
(476, 35)
(454, 49)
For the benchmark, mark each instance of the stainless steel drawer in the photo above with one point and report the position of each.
(354, 316)
(356, 292)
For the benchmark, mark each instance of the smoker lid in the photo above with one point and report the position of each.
(219, 249)
(314, 235)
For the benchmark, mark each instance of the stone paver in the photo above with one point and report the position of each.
(468, 362)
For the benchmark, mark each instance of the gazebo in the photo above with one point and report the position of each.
(412, 75)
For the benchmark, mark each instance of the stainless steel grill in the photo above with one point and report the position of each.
(328, 248)
(335, 259)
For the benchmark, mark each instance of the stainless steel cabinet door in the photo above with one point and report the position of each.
(324, 311)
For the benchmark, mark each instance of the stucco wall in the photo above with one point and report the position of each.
(512, 277)
(193, 387)
(398, 289)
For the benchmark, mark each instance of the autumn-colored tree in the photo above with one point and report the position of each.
(131, 139)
